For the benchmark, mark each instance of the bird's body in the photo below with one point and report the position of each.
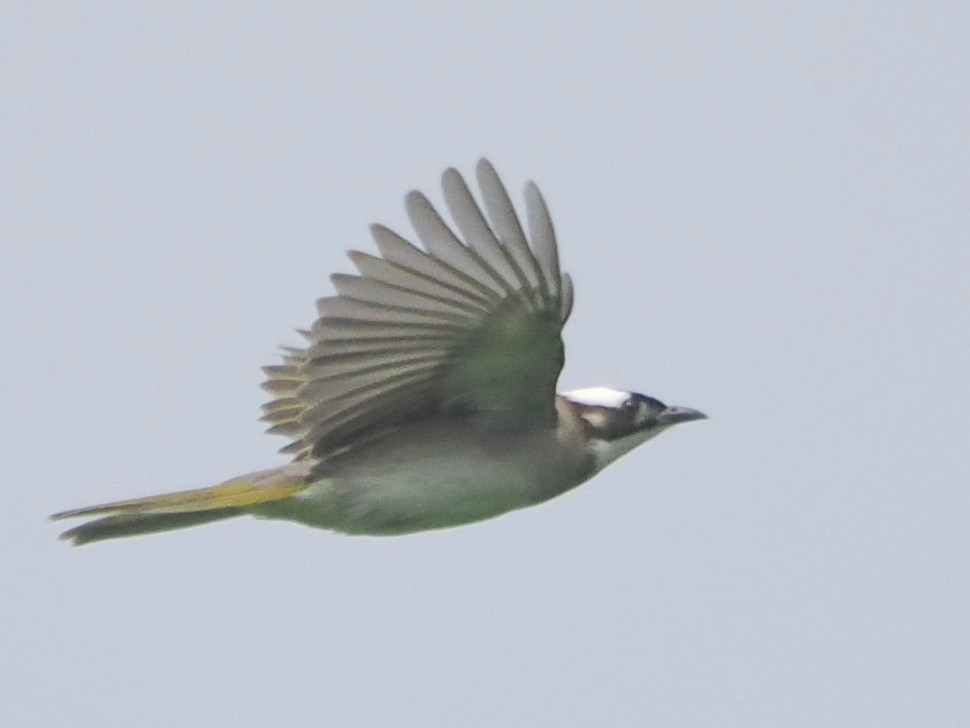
(425, 397)
(437, 474)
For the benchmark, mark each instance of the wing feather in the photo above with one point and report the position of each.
(475, 228)
(442, 243)
(428, 275)
(382, 293)
(508, 229)
(543, 238)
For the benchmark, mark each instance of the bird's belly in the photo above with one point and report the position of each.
(390, 490)
(418, 499)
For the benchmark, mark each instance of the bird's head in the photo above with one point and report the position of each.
(618, 421)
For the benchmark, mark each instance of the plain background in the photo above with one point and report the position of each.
(765, 209)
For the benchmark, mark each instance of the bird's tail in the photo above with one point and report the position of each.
(185, 508)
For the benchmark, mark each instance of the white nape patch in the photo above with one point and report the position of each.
(597, 418)
(599, 397)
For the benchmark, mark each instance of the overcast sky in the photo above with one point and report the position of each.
(765, 210)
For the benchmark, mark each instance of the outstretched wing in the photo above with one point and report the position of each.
(469, 325)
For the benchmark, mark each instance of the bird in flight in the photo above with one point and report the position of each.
(425, 396)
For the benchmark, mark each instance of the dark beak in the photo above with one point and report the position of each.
(676, 415)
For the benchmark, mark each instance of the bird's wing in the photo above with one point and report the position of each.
(470, 325)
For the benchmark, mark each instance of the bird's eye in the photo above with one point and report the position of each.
(630, 404)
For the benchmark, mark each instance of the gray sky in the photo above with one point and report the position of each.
(765, 209)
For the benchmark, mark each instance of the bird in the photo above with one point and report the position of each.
(425, 394)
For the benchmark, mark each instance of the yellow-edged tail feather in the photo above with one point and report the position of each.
(185, 508)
